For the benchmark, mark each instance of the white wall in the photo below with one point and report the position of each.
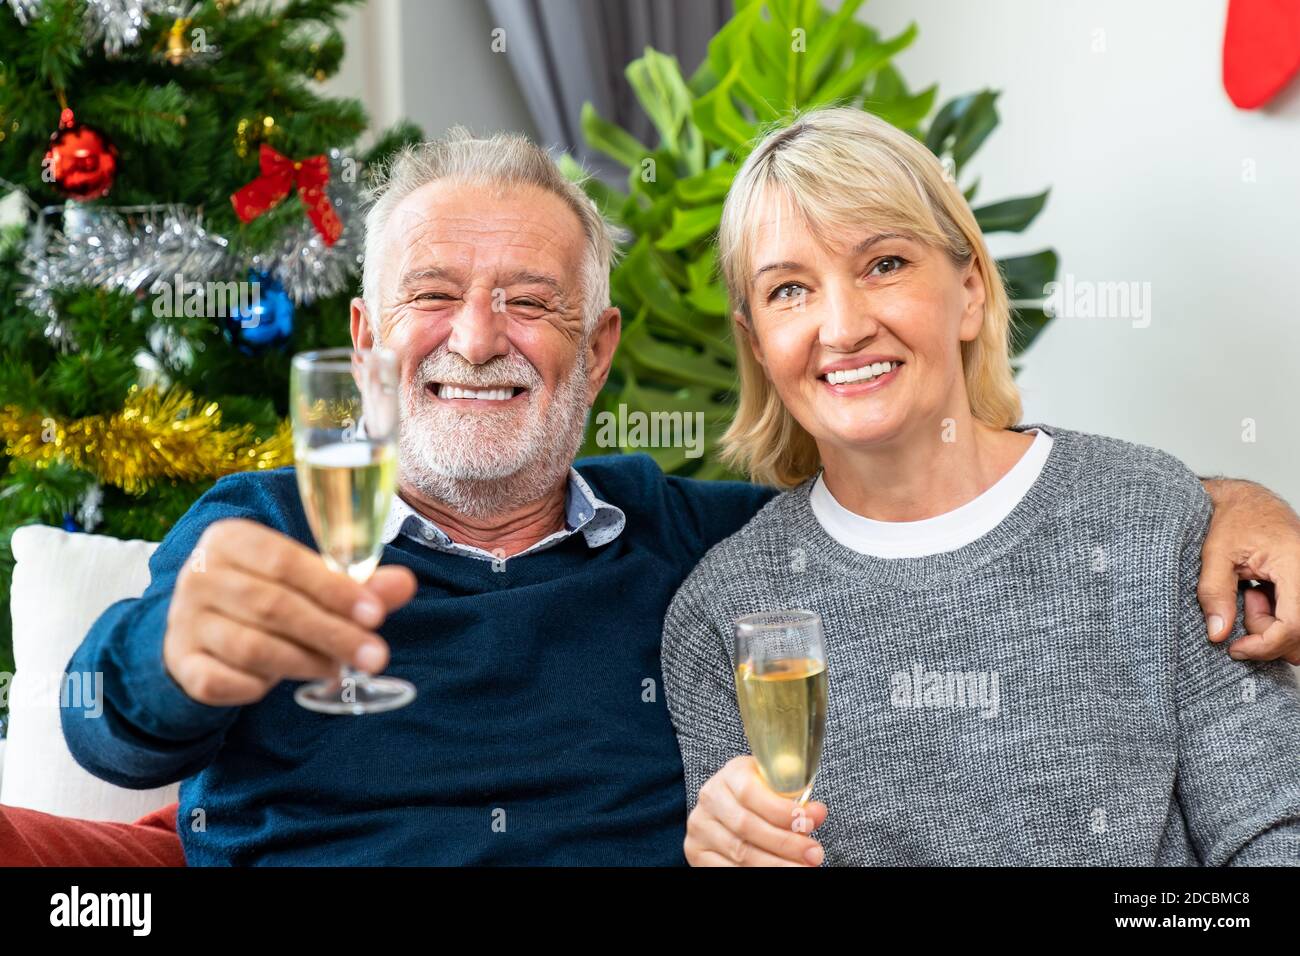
(450, 74)
(1145, 156)
(429, 61)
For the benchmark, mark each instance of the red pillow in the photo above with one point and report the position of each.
(32, 838)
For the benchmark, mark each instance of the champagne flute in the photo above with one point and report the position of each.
(344, 409)
(781, 687)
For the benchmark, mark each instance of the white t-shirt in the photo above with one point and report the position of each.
(945, 532)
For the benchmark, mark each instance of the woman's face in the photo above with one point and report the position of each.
(860, 333)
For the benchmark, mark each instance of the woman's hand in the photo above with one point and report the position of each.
(739, 821)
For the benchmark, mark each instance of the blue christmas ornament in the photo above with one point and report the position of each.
(262, 318)
(70, 523)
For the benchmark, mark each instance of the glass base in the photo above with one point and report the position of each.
(356, 694)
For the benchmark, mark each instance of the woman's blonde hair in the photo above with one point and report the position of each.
(842, 169)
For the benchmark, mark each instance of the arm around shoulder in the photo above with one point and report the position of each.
(1238, 776)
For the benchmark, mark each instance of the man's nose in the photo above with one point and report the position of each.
(478, 331)
(847, 320)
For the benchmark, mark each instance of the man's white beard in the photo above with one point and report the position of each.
(491, 459)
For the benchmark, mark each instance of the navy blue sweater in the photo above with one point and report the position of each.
(539, 734)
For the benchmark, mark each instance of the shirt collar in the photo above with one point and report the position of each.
(599, 521)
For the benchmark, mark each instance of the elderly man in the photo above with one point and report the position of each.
(523, 596)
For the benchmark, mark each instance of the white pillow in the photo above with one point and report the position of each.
(62, 582)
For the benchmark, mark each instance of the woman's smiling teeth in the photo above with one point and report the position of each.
(864, 374)
(482, 394)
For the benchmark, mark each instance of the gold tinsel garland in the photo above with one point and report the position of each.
(154, 436)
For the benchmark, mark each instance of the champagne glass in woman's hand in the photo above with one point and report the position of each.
(344, 409)
(781, 687)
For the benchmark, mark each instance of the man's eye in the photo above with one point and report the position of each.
(898, 263)
(433, 296)
(528, 303)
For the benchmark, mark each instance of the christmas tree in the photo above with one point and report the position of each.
(182, 213)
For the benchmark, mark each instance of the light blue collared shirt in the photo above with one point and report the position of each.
(599, 521)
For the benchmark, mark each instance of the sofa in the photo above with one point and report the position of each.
(62, 582)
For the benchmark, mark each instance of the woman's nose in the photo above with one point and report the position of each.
(478, 331)
(847, 323)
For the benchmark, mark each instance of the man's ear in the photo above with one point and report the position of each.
(743, 328)
(972, 317)
(361, 333)
(600, 350)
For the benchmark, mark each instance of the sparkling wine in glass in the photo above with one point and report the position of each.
(344, 409)
(781, 688)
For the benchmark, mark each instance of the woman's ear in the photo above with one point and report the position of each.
(975, 298)
(743, 328)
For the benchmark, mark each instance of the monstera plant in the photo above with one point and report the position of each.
(771, 60)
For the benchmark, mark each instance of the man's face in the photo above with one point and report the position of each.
(481, 298)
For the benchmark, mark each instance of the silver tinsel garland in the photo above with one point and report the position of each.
(140, 251)
(117, 24)
(90, 511)
(105, 249)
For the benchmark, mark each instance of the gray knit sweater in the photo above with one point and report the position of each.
(1044, 695)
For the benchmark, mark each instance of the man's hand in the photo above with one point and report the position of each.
(253, 607)
(739, 821)
(1253, 536)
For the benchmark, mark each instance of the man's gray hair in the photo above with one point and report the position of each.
(503, 159)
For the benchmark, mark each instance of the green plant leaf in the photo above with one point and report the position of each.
(612, 140)
(729, 44)
(711, 299)
(690, 225)
(657, 81)
(641, 285)
(1025, 276)
(826, 46)
(907, 112)
(980, 120)
(1010, 215)
(1026, 325)
(717, 117)
(961, 126)
(848, 85)
(674, 362)
(708, 185)
(703, 270)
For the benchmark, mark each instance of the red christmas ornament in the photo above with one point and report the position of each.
(279, 175)
(81, 159)
(1261, 49)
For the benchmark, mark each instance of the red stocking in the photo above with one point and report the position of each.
(1261, 49)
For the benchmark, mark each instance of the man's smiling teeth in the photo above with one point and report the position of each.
(483, 394)
(863, 374)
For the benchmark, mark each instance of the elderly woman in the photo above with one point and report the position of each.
(1049, 574)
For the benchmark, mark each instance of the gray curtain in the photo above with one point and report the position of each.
(566, 52)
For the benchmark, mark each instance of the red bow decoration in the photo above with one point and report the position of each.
(279, 175)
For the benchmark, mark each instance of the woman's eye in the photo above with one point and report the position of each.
(787, 291)
(897, 263)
